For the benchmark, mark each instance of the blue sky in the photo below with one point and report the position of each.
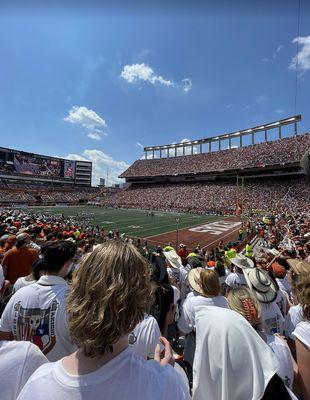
(91, 81)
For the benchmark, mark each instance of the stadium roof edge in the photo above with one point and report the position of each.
(253, 130)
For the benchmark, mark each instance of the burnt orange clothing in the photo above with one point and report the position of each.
(18, 262)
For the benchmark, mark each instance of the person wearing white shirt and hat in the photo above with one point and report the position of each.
(266, 291)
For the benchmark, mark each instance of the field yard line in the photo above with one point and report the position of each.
(192, 226)
(220, 238)
(159, 224)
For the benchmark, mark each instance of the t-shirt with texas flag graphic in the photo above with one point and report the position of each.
(36, 313)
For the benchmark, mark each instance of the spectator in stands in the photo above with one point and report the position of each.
(38, 268)
(10, 243)
(183, 252)
(108, 298)
(265, 290)
(37, 312)
(230, 363)
(244, 302)
(18, 361)
(236, 279)
(206, 292)
(17, 262)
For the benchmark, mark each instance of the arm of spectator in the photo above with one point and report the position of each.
(164, 357)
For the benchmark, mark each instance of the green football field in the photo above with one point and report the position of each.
(132, 222)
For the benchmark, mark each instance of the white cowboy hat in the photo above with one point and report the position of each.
(194, 279)
(242, 261)
(173, 259)
(261, 284)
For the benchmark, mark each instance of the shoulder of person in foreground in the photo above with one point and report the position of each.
(162, 379)
(24, 358)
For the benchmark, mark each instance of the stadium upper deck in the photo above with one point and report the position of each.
(287, 151)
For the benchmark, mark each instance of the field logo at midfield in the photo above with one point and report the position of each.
(216, 228)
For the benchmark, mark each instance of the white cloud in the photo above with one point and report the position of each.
(261, 98)
(142, 72)
(135, 73)
(303, 56)
(138, 144)
(265, 60)
(187, 84)
(101, 163)
(185, 140)
(94, 135)
(280, 111)
(89, 119)
(278, 49)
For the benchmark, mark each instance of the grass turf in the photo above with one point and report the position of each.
(132, 222)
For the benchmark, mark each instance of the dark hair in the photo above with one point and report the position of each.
(57, 254)
(49, 236)
(219, 268)
(283, 263)
(163, 300)
(37, 267)
(184, 262)
(36, 230)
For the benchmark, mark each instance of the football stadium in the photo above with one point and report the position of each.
(138, 259)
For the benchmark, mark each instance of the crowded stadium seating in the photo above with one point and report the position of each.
(283, 151)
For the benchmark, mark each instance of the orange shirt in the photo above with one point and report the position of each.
(18, 262)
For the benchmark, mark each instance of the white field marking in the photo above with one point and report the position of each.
(151, 226)
(215, 228)
(220, 238)
(107, 222)
(135, 226)
(159, 234)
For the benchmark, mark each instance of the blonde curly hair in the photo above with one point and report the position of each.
(108, 297)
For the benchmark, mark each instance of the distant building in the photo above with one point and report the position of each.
(102, 182)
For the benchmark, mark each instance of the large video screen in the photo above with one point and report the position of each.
(69, 169)
(14, 162)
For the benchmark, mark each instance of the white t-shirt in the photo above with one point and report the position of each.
(281, 301)
(127, 376)
(293, 317)
(302, 333)
(21, 282)
(37, 313)
(184, 283)
(18, 361)
(283, 354)
(235, 280)
(284, 284)
(145, 337)
(186, 322)
(272, 318)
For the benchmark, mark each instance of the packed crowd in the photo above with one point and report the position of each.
(282, 151)
(220, 196)
(93, 314)
(45, 196)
